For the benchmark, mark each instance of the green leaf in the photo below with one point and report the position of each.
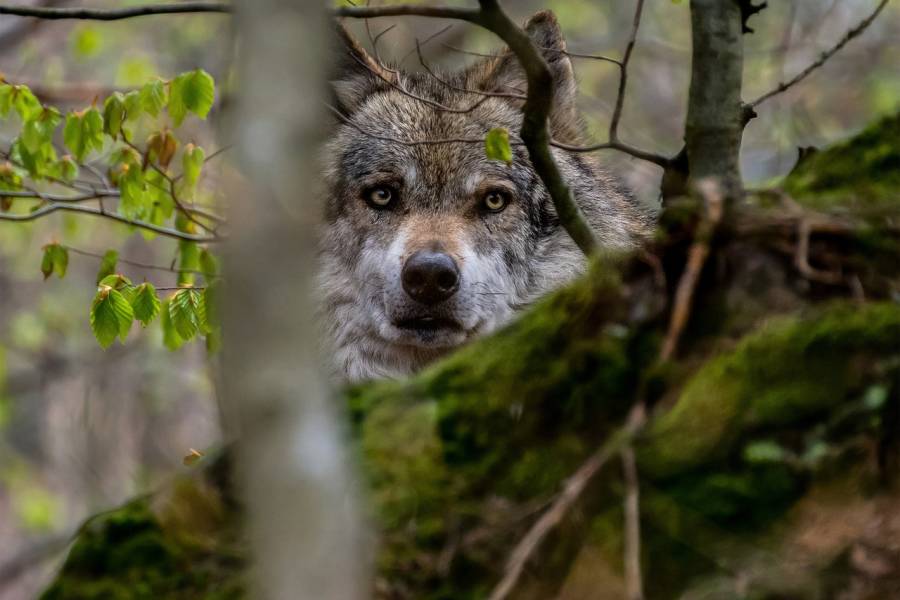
(188, 262)
(209, 264)
(25, 103)
(107, 265)
(145, 303)
(135, 199)
(115, 281)
(134, 107)
(212, 305)
(191, 92)
(187, 312)
(68, 168)
(153, 97)
(83, 132)
(496, 145)
(171, 339)
(111, 316)
(191, 163)
(6, 99)
(55, 260)
(764, 451)
(38, 132)
(114, 114)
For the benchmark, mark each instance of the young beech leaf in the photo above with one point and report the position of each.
(191, 163)
(107, 265)
(6, 98)
(496, 145)
(188, 262)
(115, 281)
(153, 97)
(114, 114)
(191, 92)
(171, 339)
(55, 260)
(83, 132)
(25, 103)
(145, 303)
(212, 306)
(68, 168)
(209, 264)
(187, 312)
(111, 316)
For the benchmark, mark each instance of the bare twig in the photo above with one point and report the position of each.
(133, 263)
(714, 205)
(623, 73)
(472, 15)
(116, 14)
(823, 58)
(464, 90)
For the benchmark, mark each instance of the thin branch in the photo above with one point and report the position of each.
(98, 195)
(623, 73)
(464, 90)
(133, 263)
(471, 15)
(714, 201)
(52, 207)
(116, 14)
(656, 159)
(32, 195)
(572, 489)
(823, 58)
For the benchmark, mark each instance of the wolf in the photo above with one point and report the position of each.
(427, 243)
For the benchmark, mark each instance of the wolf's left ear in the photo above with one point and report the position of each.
(504, 74)
(355, 74)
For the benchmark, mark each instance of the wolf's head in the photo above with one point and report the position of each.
(428, 245)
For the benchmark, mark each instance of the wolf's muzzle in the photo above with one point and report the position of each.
(430, 277)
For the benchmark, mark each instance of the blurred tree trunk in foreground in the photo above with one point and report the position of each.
(302, 521)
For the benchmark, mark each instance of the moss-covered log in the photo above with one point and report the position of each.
(771, 448)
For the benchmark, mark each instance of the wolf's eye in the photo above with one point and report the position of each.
(495, 201)
(380, 196)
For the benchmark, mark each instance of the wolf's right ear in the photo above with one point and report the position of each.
(355, 74)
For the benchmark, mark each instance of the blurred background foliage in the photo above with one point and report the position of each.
(83, 429)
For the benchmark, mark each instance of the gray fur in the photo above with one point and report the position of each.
(507, 259)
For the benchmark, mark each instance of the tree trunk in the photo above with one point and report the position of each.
(303, 525)
(715, 120)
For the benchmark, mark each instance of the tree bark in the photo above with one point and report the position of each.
(303, 525)
(715, 120)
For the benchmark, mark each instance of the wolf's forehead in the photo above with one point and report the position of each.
(388, 120)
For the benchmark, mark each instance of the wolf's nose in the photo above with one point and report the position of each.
(430, 277)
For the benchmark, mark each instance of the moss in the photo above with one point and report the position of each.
(792, 369)
(132, 553)
(864, 171)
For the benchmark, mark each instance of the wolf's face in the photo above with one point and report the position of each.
(428, 245)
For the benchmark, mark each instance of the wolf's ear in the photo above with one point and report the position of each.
(504, 74)
(355, 74)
